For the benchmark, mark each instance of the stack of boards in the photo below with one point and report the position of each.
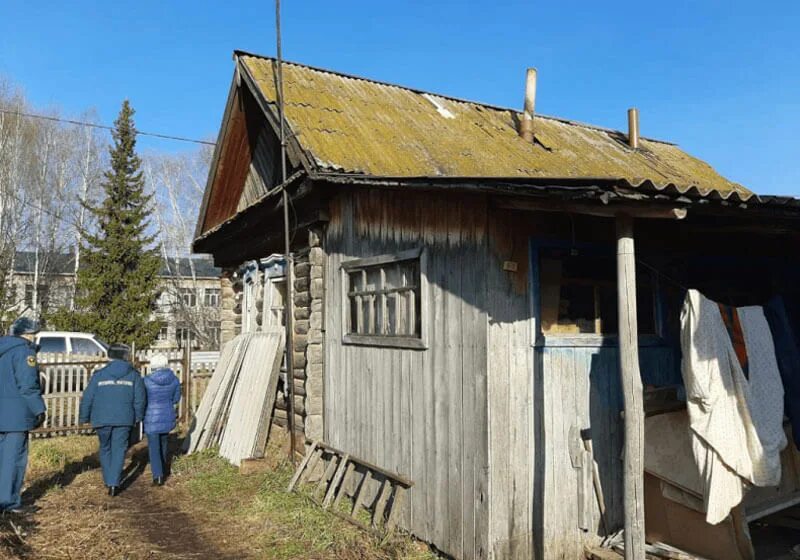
(237, 407)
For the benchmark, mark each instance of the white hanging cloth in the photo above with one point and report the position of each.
(736, 421)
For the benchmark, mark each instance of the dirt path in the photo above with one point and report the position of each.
(78, 520)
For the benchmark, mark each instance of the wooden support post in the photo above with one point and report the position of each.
(632, 391)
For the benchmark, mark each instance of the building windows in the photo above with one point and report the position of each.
(578, 293)
(188, 297)
(276, 300)
(211, 297)
(185, 337)
(383, 303)
(29, 295)
(163, 334)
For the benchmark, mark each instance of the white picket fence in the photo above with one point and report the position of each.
(64, 377)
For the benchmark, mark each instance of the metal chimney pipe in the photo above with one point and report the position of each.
(633, 128)
(526, 126)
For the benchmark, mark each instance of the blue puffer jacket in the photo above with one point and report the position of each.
(163, 393)
(115, 396)
(20, 393)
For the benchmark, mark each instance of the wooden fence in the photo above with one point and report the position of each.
(64, 377)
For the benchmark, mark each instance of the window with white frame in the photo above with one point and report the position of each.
(276, 301)
(188, 297)
(383, 300)
(163, 334)
(211, 297)
(184, 336)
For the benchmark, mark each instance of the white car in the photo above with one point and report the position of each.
(63, 342)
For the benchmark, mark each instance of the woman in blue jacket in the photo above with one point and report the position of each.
(163, 393)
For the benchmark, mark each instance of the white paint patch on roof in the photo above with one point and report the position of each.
(438, 102)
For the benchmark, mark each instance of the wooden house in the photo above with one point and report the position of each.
(455, 288)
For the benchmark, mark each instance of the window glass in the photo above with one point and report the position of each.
(163, 333)
(211, 297)
(276, 303)
(185, 337)
(52, 344)
(384, 299)
(579, 293)
(85, 346)
(188, 297)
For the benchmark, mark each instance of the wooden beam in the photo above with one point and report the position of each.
(632, 391)
(635, 210)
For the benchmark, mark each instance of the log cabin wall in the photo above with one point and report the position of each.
(309, 292)
(229, 318)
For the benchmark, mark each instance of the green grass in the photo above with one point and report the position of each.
(277, 525)
(53, 454)
(292, 525)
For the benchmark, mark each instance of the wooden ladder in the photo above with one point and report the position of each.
(340, 474)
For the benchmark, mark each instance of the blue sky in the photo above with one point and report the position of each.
(720, 78)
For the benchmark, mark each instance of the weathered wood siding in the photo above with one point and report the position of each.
(480, 420)
(581, 387)
(421, 413)
(264, 167)
(513, 442)
(538, 393)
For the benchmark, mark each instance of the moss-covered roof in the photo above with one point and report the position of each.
(355, 125)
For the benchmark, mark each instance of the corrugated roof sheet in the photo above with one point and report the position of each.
(354, 125)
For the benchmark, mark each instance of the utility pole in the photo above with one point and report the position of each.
(289, 306)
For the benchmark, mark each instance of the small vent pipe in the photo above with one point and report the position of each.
(633, 128)
(526, 126)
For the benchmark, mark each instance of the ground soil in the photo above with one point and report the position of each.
(206, 510)
(78, 520)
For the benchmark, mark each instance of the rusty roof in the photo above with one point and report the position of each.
(347, 124)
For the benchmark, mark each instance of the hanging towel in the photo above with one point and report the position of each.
(766, 397)
(788, 354)
(735, 423)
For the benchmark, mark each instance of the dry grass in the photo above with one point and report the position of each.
(207, 510)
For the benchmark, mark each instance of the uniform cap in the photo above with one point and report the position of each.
(119, 352)
(24, 325)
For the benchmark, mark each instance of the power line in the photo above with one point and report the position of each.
(104, 127)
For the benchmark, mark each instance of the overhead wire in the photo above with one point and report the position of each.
(104, 127)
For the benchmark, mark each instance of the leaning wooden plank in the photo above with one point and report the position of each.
(310, 453)
(659, 550)
(191, 443)
(380, 505)
(215, 395)
(344, 465)
(223, 409)
(265, 415)
(343, 486)
(397, 505)
(248, 400)
(311, 466)
(598, 553)
(360, 494)
(325, 480)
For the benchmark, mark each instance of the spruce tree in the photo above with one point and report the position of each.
(118, 279)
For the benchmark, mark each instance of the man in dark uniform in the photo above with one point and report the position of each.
(21, 408)
(114, 402)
